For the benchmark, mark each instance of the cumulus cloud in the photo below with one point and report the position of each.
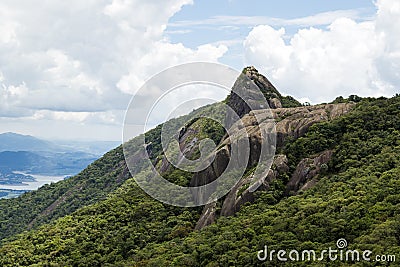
(347, 57)
(70, 59)
(164, 55)
(10, 99)
(387, 25)
(111, 117)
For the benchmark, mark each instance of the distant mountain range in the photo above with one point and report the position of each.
(18, 142)
(22, 156)
(45, 163)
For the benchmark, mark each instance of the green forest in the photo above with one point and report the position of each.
(101, 217)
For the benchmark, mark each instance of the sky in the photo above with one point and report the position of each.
(68, 69)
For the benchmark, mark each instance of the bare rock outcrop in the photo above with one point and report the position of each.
(256, 126)
(295, 122)
(306, 171)
(250, 92)
(208, 216)
(275, 103)
(242, 193)
(188, 141)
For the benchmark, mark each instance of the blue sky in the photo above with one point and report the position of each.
(194, 25)
(69, 69)
(270, 8)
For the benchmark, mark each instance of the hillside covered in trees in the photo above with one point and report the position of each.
(336, 174)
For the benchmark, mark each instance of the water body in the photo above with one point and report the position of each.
(40, 181)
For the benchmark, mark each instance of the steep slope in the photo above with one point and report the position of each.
(22, 156)
(59, 199)
(357, 197)
(93, 184)
(335, 176)
(272, 95)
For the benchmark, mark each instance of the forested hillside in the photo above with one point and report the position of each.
(336, 175)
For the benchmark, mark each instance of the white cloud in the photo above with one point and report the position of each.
(10, 99)
(164, 55)
(325, 18)
(387, 24)
(267, 43)
(347, 57)
(111, 117)
(61, 115)
(77, 60)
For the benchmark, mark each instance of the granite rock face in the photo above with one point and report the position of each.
(306, 171)
(256, 126)
(250, 92)
(288, 122)
(295, 122)
(256, 130)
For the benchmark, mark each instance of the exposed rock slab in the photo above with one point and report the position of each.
(306, 170)
(295, 122)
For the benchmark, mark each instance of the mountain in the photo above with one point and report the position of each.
(45, 163)
(334, 176)
(21, 160)
(97, 148)
(18, 142)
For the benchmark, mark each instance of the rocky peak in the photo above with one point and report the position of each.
(266, 87)
(249, 84)
(290, 119)
(290, 122)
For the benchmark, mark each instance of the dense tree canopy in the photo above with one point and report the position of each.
(357, 197)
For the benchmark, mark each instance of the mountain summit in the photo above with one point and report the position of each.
(272, 95)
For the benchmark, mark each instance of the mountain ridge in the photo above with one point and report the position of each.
(335, 175)
(10, 141)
